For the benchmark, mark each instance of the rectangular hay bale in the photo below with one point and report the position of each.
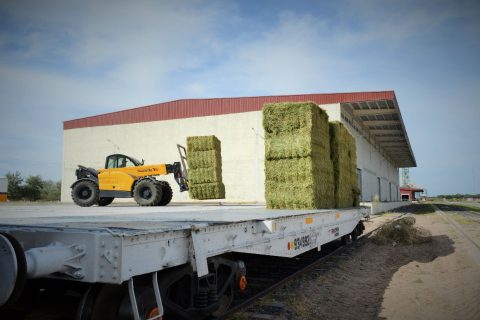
(203, 143)
(204, 159)
(204, 191)
(205, 168)
(298, 167)
(287, 117)
(205, 175)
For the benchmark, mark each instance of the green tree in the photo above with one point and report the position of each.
(51, 191)
(33, 188)
(15, 188)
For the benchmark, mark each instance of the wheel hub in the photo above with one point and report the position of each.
(85, 193)
(146, 193)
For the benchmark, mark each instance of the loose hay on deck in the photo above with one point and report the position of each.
(205, 168)
(298, 168)
(343, 153)
(401, 232)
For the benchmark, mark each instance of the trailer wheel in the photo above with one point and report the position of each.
(105, 201)
(167, 193)
(85, 193)
(147, 192)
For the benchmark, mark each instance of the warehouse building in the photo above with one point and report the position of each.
(153, 132)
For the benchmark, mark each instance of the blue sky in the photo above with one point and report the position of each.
(61, 60)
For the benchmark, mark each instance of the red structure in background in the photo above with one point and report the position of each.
(409, 193)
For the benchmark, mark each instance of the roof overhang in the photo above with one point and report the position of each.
(381, 123)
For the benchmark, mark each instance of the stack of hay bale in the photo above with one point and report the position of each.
(298, 167)
(344, 159)
(205, 168)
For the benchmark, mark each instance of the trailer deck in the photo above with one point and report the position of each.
(111, 245)
(133, 219)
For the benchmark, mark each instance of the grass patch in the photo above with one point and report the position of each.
(205, 168)
(462, 219)
(423, 208)
(415, 208)
(298, 167)
(457, 207)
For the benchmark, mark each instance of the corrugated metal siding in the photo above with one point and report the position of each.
(3, 185)
(190, 108)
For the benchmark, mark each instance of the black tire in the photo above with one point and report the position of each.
(105, 201)
(167, 193)
(147, 192)
(85, 193)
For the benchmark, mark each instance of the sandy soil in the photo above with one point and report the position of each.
(437, 280)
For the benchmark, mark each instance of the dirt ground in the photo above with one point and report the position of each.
(436, 280)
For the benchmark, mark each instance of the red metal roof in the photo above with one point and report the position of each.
(410, 189)
(189, 108)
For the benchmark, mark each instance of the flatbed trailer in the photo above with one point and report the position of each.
(136, 262)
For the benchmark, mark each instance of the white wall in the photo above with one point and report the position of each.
(378, 207)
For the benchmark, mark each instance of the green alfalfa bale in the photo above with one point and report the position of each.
(294, 130)
(205, 175)
(353, 170)
(202, 143)
(297, 169)
(288, 117)
(204, 159)
(205, 168)
(344, 163)
(203, 191)
(299, 183)
(298, 195)
(294, 145)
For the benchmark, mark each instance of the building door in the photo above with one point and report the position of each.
(390, 189)
(379, 189)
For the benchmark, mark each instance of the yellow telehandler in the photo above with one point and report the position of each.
(126, 177)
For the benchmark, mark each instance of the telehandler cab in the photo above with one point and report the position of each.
(126, 177)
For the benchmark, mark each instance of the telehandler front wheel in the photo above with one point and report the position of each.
(85, 193)
(147, 193)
